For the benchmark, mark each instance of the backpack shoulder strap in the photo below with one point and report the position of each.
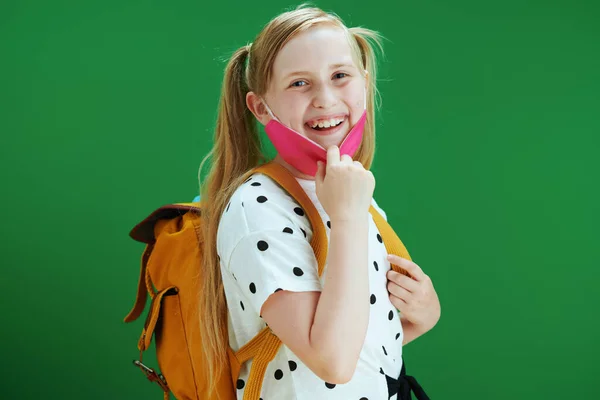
(392, 242)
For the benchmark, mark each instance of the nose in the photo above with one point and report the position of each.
(325, 97)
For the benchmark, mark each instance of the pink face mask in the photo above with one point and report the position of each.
(301, 152)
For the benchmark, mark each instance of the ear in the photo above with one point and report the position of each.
(257, 107)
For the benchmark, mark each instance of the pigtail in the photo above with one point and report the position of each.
(366, 42)
(236, 150)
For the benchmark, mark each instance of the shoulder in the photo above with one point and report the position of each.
(259, 205)
(267, 205)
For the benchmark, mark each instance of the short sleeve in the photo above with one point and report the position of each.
(271, 250)
(268, 261)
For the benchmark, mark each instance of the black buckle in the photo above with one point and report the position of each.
(152, 375)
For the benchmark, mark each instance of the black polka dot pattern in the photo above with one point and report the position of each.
(292, 365)
(271, 245)
(278, 374)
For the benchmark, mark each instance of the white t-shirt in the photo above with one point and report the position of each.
(263, 242)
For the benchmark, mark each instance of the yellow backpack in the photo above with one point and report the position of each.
(170, 275)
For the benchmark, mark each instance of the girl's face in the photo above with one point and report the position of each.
(316, 89)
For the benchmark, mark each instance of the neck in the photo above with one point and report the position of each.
(293, 170)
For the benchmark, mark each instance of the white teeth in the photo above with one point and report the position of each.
(327, 123)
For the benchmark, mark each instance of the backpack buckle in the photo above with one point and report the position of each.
(152, 375)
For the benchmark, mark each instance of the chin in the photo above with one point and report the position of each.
(333, 140)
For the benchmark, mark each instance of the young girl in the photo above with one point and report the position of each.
(306, 76)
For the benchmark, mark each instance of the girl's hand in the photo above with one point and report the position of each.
(414, 297)
(344, 187)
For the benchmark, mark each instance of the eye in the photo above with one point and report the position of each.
(341, 73)
(295, 83)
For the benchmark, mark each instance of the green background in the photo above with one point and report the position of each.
(486, 166)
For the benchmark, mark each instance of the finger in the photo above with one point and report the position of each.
(346, 159)
(400, 304)
(358, 164)
(413, 269)
(404, 281)
(399, 291)
(333, 155)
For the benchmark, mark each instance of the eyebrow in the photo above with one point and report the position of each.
(332, 66)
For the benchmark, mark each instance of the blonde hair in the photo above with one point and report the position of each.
(237, 148)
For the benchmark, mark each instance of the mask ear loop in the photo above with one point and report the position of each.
(269, 110)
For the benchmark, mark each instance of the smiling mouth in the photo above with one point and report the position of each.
(326, 130)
